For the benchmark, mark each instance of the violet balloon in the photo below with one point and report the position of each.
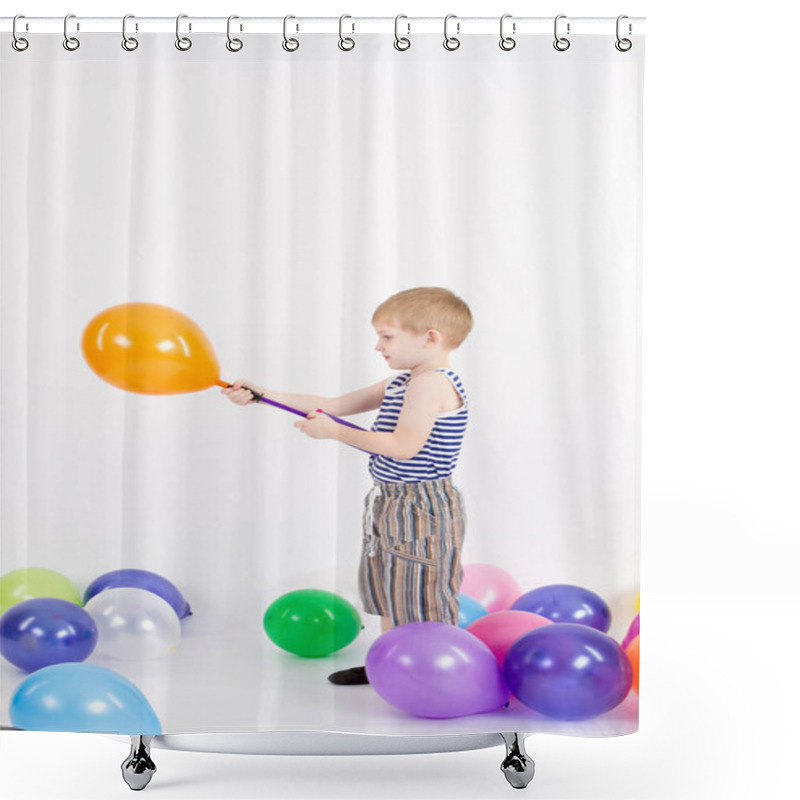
(435, 670)
(564, 602)
(567, 671)
(140, 579)
(46, 630)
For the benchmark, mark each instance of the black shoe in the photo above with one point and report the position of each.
(349, 677)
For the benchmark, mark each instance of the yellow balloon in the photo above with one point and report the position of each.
(28, 583)
(638, 600)
(150, 349)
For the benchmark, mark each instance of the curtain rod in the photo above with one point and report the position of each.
(326, 25)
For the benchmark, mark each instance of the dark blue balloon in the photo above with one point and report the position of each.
(140, 579)
(46, 630)
(567, 671)
(563, 602)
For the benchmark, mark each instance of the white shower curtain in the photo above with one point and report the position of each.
(276, 198)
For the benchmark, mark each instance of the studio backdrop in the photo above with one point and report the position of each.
(179, 214)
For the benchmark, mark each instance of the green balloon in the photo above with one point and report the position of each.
(312, 622)
(31, 582)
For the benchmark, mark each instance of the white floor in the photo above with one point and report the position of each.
(705, 732)
(217, 684)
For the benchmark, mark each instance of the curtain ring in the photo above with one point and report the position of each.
(347, 43)
(401, 43)
(234, 45)
(289, 45)
(128, 42)
(183, 43)
(506, 42)
(70, 42)
(451, 42)
(623, 45)
(561, 43)
(18, 43)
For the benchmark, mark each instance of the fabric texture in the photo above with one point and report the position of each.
(410, 566)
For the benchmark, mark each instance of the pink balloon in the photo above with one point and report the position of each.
(491, 586)
(632, 633)
(499, 630)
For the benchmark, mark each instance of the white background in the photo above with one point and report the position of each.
(720, 441)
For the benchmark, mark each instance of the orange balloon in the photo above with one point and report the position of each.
(632, 651)
(150, 349)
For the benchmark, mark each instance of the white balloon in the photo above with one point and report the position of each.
(134, 624)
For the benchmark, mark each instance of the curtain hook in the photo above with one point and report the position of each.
(346, 44)
(401, 43)
(234, 45)
(70, 42)
(561, 43)
(623, 45)
(18, 43)
(506, 42)
(451, 42)
(182, 42)
(290, 45)
(128, 42)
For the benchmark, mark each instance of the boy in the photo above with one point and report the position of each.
(414, 518)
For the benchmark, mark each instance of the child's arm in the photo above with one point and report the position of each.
(237, 393)
(367, 399)
(424, 400)
(356, 402)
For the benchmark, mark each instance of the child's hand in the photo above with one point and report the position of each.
(239, 395)
(318, 425)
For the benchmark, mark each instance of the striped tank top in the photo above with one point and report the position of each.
(438, 457)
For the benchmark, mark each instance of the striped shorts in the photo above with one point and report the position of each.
(410, 567)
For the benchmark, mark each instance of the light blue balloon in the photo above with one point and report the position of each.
(81, 698)
(469, 610)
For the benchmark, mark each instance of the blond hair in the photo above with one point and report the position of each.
(425, 308)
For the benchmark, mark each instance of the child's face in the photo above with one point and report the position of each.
(402, 349)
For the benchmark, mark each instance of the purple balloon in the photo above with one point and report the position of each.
(632, 633)
(563, 602)
(568, 671)
(44, 631)
(435, 670)
(140, 579)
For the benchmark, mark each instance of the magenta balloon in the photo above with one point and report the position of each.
(632, 633)
(435, 670)
(493, 587)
